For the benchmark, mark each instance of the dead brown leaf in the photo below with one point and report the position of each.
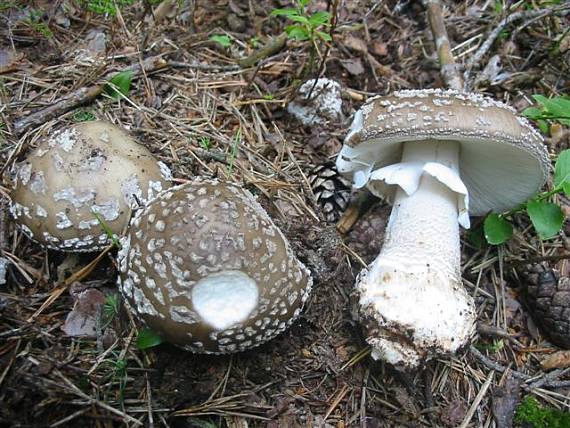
(558, 360)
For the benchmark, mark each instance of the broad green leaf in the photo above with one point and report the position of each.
(304, 3)
(284, 12)
(120, 84)
(562, 168)
(497, 229)
(547, 218)
(222, 39)
(325, 36)
(297, 32)
(541, 99)
(148, 339)
(558, 107)
(319, 18)
(300, 19)
(533, 113)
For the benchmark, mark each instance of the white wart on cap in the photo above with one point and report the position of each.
(438, 156)
(204, 266)
(86, 168)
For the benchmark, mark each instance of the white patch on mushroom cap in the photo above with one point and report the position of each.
(225, 298)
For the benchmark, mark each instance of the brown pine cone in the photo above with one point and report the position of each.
(548, 298)
(332, 190)
(367, 235)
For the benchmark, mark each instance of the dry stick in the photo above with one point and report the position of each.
(84, 95)
(484, 48)
(448, 66)
(477, 400)
(269, 49)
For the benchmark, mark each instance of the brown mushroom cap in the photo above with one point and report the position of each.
(204, 266)
(502, 159)
(85, 168)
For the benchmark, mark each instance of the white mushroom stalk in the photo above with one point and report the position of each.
(423, 150)
(412, 291)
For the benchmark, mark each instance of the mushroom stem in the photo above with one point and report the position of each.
(412, 291)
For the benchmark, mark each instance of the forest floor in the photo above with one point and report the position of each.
(204, 115)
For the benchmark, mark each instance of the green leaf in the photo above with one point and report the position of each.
(562, 168)
(222, 39)
(119, 85)
(558, 107)
(543, 126)
(303, 3)
(497, 229)
(325, 36)
(300, 19)
(284, 12)
(297, 32)
(319, 18)
(148, 339)
(547, 218)
(533, 113)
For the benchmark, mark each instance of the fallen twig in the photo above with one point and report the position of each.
(448, 66)
(484, 48)
(274, 46)
(84, 95)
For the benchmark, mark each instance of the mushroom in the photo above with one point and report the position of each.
(438, 156)
(204, 266)
(77, 171)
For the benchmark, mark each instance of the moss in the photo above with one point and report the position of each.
(532, 415)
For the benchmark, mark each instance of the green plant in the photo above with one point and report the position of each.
(494, 347)
(533, 415)
(119, 85)
(36, 24)
(110, 309)
(147, 338)
(546, 216)
(306, 27)
(205, 143)
(222, 39)
(556, 108)
(106, 7)
(83, 116)
(107, 230)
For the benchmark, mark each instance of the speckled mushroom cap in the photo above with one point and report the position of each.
(502, 160)
(204, 266)
(84, 168)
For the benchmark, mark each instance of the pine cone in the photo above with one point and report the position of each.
(548, 298)
(367, 235)
(332, 190)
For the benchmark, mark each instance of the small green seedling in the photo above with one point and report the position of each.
(110, 309)
(83, 116)
(120, 85)
(306, 27)
(36, 24)
(531, 414)
(147, 338)
(205, 143)
(222, 39)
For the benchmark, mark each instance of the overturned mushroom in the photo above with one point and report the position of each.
(77, 172)
(204, 266)
(438, 155)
